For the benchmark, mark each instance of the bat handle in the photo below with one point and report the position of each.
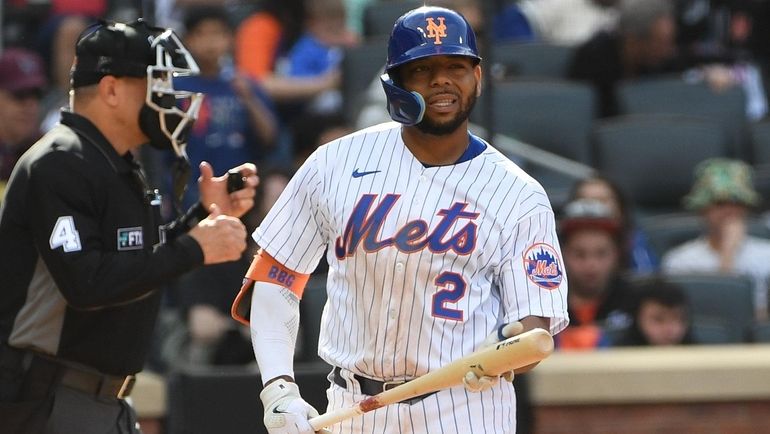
(332, 417)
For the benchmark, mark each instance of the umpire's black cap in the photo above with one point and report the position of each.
(114, 49)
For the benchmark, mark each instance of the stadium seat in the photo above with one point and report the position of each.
(720, 299)
(554, 115)
(209, 401)
(379, 16)
(533, 60)
(760, 156)
(652, 157)
(666, 231)
(761, 333)
(226, 399)
(550, 114)
(708, 332)
(762, 183)
(360, 66)
(760, 142)
(672, 95)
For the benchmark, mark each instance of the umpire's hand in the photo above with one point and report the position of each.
(222, 238)
(213, 189)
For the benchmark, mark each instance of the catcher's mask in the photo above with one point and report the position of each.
(423, 32)
(139, 50)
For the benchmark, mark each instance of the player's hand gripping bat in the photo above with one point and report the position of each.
(513, 353)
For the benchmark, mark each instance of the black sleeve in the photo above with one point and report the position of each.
(183, 224)
(64, 193)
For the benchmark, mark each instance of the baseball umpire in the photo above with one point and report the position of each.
(83, 252)
(437, 245)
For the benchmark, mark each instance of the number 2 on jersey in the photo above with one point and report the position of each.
(451, 290)
(65, 235)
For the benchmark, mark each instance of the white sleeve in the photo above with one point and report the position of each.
(274, 325)
(532, 277)
(292, 231)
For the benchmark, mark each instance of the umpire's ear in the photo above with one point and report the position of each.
(108, 91)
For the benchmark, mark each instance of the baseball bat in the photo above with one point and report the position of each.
(518, 351)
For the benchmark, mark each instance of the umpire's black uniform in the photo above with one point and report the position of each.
(78, 302)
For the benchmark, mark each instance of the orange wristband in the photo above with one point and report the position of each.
(264, 268)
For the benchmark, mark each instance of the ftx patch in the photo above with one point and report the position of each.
(130, 238)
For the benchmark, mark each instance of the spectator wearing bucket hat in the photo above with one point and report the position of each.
(724, 196)
(22, 82)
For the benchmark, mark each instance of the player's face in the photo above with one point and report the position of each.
(662, 325)
(449, 85)
(591, 257)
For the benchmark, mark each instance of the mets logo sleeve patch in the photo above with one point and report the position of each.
(543, 266)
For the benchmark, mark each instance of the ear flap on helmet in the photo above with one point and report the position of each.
(404, 107)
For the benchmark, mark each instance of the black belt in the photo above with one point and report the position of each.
(45, 369)
(372, 387)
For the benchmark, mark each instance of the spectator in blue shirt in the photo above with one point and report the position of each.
(236, 123)
(319, 50)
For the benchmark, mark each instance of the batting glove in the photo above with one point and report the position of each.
(285, 410)
(475, 383)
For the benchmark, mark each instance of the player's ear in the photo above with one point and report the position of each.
(479, 75)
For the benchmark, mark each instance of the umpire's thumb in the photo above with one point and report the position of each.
(214, 211)
(207, 172)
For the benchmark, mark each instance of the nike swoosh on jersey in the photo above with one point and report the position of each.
(357, 174)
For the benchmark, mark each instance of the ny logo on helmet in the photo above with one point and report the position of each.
(436, 31)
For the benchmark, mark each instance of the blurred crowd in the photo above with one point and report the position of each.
(271, 72)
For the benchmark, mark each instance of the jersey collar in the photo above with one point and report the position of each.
(88, 131)
(475, 147)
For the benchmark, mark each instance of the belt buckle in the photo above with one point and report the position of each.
(126, 387)
(387, 385)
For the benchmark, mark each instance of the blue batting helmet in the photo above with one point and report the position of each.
(423, 32)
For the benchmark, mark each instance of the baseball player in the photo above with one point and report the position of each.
(437, 245)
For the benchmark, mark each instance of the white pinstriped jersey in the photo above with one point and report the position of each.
(424, 263)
